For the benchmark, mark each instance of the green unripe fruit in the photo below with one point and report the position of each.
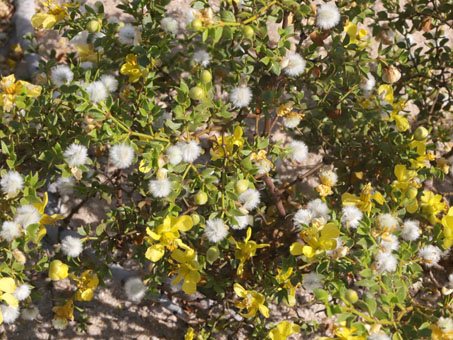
(196, 93)
(241, 186)
(420, 133)
(93, 26)
(197, 25)
(201, 198)
(212, 254)
(206, 77)
(195, 218)
(351, 296)
(411, 193)
(248, 32)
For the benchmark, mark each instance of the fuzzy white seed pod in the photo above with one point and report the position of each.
(242, 222)
(160, 188)
(10, 231)
(121, 156)
(76, 155)
(201, 57)
(295, 64)
(12, 182)
(9, 313)
(72, 246)
(299, 151)
(250, 199)
(327, 16)
(312, 281)
(303, 216)
(22, 292)
(174, 154)
(190, 151)
(216, 230)
(30, 313)
(169, 25)
(351, 216)
(97, 91)
(241, 96)
(128, 35)
(318, 208)
(135, 289)
(410, 230)
(61, 75)
(367, 84)
(430, 255)
(386, 262)
(27, 215)
(110, 82)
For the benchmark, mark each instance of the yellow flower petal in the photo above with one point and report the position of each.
(7, 285)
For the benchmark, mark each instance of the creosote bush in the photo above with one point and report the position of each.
(169, 120)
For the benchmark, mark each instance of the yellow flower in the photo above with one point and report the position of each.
(86, 285)
(64, 312)
(86, 52)
(363, 202)
(432, 204)
(356, 37)
(245, 250)
(283, 330)
(58, 270)
(252, 301)
(316, 242)
(54, 14)
(345, 333)
(7, 288)
(447, 222)
(132, 69)
(285, 280)
(260, 160)
(286, 111)
(406, 179)
(190, 334)
(12, 88)
(45, 219)
(218, 150)
(187, 269)
(167, 234)
(402, 124)
(423, 156)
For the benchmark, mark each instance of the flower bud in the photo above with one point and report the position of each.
(411, 193)
(201, 198)
(161, 173)
(248, 32)
(19, 256)
(206, 77)
(351, 296)
(196, 25)
(196, 93)
(212, 254)
(195, 218)
(58, 270)
(93, 26)
(241, 186)
(391, 75)
(420, 133)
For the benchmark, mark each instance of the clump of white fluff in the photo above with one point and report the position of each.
(312, 281)
(368, 83)
(59, 323)
(201, 57)
(328, 177)
(291, 121)
(160, 187)
(390, 243)
(169, 25)
(86, 65)
(72, 246)
(190, 151)
(65, 185)
(121, 156)
(135, 289)
(174, 154)
(303, 216)
(76, 155)
(215, 230)
(410, 230)
(97, 91)
(299, 151)
(386, 262)
(318, 208)
(22, 292)
(9, 313)
(61, 75)
(10, 231)
(379, 336)
(241, 96)
(250, 199)
(110, 82)
(327, 16)
(351, 216)
(12, 182)
(430, 255)
(128, 35)
(27, 215)
(387, 222)
(295, 64)
(30, 313)
(242, 222)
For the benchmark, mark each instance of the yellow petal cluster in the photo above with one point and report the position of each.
(188, 268)
(284, 330)
(318, 239)
(251, 300)
(132, 69)
(11, 89)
